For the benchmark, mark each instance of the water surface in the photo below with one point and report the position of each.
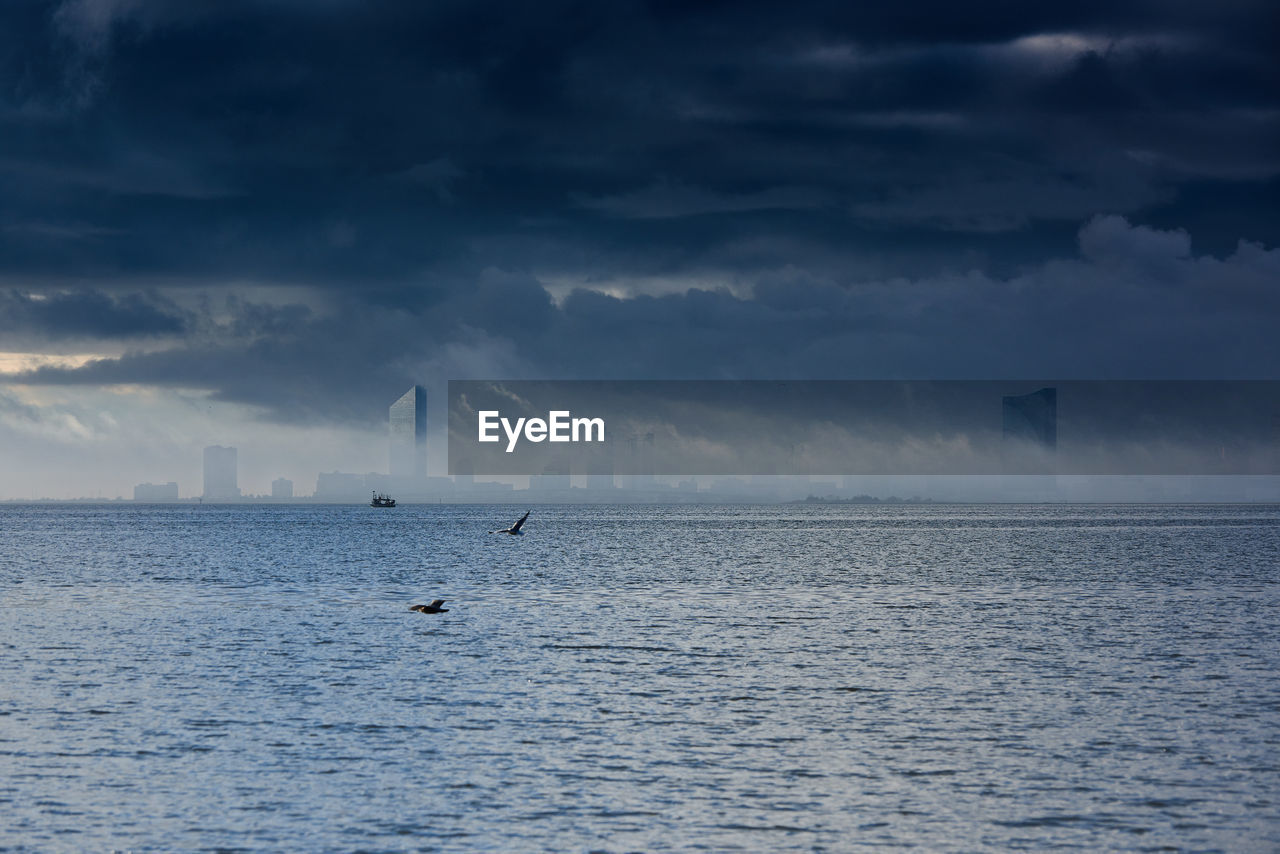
(791, 678)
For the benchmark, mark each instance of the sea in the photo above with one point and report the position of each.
(938, 677)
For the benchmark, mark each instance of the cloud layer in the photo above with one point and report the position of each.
(1134, 302)
(305, 207)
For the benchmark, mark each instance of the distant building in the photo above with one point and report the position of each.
(282, 487)
(407, 434)
(1030, 443)
(465, 476)
(220, 472)
(555, 476)
(599, 481)
(600, 466)
(637, 461)
(155, 492)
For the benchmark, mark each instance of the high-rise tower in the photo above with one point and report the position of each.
(220, 473)
(408, 434)
(1032, 418)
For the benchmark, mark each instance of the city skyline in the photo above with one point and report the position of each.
(625, 467)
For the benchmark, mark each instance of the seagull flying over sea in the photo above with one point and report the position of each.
(433, 608)
(514, 530)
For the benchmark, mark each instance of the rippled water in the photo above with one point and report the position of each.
(755, 678)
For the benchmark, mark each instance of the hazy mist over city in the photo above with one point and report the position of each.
(256, 224)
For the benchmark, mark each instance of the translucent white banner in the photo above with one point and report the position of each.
(709, 427)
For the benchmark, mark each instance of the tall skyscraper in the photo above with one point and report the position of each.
(1030, 446)
(1032, 418)
(220, 473)
(408, 434)
(638, 460)
(600, 465)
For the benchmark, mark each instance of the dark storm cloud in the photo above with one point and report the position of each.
(87, 314)
(340, 141)
(850, 189)
(1134, 302)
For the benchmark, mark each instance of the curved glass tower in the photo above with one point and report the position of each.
(408, 434)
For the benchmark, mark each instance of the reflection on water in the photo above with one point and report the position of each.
(760, 678)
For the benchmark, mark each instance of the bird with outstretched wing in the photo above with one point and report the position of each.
(514, 530)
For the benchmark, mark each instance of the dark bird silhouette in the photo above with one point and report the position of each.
(433, 608)
(514, 530)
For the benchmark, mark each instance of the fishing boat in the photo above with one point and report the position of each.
(382, 500)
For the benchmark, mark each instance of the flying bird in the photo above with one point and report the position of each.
(433, 608)
(514, 530)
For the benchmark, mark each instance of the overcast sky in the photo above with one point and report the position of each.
(257, 222)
